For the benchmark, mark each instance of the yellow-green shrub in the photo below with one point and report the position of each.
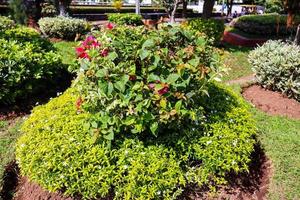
(58, 151)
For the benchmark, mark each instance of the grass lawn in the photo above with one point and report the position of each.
(9, 132)
(280, 138)
(67, 51)
(236, 59)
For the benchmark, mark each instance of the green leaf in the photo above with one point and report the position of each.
(112, 56)
(109, 136)
(120, 86)
(153, 128)
(178, 105)
(172, 78)
(101, 73)
(148, 43)
(144, 54)
(153, 77)
(110, 88)
(163, 103)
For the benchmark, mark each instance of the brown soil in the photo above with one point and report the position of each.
(271, 102)
(243, 80)
(243, 186)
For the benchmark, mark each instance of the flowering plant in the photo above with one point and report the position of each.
(138, 81)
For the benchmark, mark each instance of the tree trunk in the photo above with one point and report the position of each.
(208, 8)
(184, 8)
(38, 9)
(290, 19)
(229, 7)
(297, 38)
(173, 12)
(137, 7)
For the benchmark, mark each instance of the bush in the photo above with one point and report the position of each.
(125, 19)
(212, 28)
(58, 152)
(138, 123)
(6, 23)
(63, 27)
(277, 67)
(268, 24)
(25, 66)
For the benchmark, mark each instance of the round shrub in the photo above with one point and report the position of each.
(212, 28)
(137, 122)
(6, 23)
(267, 24)
(25, 66)
(58, 152)
(277, 67)
(125, 19)
(63, 27)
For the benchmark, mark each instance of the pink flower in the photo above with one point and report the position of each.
(89, 42)
(151, 86)
(104, 52)
(110, 26)
(80, 51)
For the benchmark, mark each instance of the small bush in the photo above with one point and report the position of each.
(58, 152)
(138, 123)
(25, 66)
(277, 67)
(125, 19)
(268, 24)
(212, 28)
(6, 23)
(63, 27)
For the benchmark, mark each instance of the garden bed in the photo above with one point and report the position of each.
(236, 39)
(271, 102)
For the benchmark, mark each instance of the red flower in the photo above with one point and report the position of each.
(104, 52)
(78, 103)
(164, 90)
(132, 77)
(80, 51)
(110, 26)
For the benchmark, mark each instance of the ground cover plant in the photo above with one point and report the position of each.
(212, 28)
(117, 121)
(264, 25)
(27, 64)
(63, 27)
(125, 19)
(277, 67)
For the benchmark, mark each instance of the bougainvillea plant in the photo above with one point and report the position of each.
(139, 81)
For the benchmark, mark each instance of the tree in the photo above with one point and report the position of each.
(292, 8)
(63, 6)
(171, 8)
(208, 8)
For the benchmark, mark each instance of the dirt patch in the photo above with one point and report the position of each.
(243, 80)
(10, 181)
(273, 103)
(252, 185)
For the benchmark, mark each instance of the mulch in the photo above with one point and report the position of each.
(273, 103)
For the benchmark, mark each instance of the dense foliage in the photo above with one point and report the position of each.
(143, 120)
(26, 63)
(277, 67)
(143, 79)
(6, 23)
(63, 27)
(58, 152)
(212, 28)
(268, 24)
(125, 19)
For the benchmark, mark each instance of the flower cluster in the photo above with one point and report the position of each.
(91, 43)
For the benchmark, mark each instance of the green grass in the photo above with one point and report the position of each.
(67, 51)
(280, 138)
(236, 59)
(9, 132)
